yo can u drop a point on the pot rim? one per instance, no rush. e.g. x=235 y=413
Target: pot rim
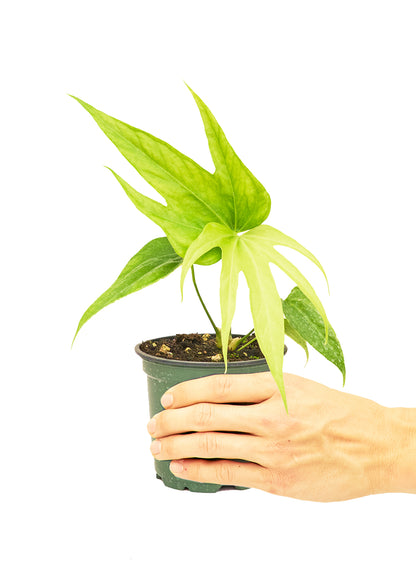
x=219 y=365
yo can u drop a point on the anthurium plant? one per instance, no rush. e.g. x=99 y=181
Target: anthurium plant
x=210 y=217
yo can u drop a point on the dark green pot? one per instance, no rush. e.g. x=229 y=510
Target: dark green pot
x=162 y=374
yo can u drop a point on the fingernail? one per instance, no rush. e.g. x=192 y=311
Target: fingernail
x=176 y=467
x=155 y=447
x=151 y=426
x=166 y=400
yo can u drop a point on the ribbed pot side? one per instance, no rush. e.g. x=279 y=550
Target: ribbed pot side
x=162 y=374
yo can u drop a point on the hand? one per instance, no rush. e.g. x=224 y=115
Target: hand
x=331 y=446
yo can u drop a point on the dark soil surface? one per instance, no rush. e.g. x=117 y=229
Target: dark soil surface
x=197 y=347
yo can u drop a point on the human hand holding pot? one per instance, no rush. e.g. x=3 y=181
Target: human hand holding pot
x=331 y=446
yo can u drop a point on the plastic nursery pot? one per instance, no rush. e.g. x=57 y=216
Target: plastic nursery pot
x=162 y=374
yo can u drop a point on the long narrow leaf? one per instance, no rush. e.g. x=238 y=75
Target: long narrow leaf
x=217 y=235
x=272 y=235
x=228 y=289
x=290 y=270
x=266 y=308
x=252 y=255
x=153 y=262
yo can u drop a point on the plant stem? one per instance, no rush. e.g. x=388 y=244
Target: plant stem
x=247 y=344
x=236 y=343
x=247 y=335
x=217 y=331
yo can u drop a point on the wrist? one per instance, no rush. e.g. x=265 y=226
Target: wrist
x=400 y=461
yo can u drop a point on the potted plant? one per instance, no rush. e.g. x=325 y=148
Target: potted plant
x=208 y=218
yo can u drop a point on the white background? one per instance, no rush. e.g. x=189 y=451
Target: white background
x=318 y=99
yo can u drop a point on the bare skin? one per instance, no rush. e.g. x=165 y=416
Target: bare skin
x=332 y=446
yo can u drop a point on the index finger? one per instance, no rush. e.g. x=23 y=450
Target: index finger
x=221 y=388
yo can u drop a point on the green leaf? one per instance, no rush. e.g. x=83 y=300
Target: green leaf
x=266 y=309
x=202 y=219
x=306 y=320
x=245 y=200
x=195 y=197
x=296 y=337
x=228 y=289
x=251 y=253
x=216 y=235
x=271 y=235
x=266 y=237
x=179 y=229
x=211 y=237
x=153 y=262
x=191 y=192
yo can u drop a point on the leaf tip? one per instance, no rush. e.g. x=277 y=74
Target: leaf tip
x=76 y=99
x=186 y=84
x=225 y=355
x=282 y=391
x=181 y=284
x=285 y=403
x=75 y=336
x=195 y=96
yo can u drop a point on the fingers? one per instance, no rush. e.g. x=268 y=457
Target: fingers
x=208 y=445
x=224 y=473
x=204 y=417
x=221 y=388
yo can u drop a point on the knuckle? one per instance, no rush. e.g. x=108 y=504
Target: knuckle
x=273 y=423
x=203 y=414
x=264 y=417
x=222 y=386
x=208 y=444
x=264 y=381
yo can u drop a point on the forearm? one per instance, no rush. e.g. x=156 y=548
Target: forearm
x=401 y=466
